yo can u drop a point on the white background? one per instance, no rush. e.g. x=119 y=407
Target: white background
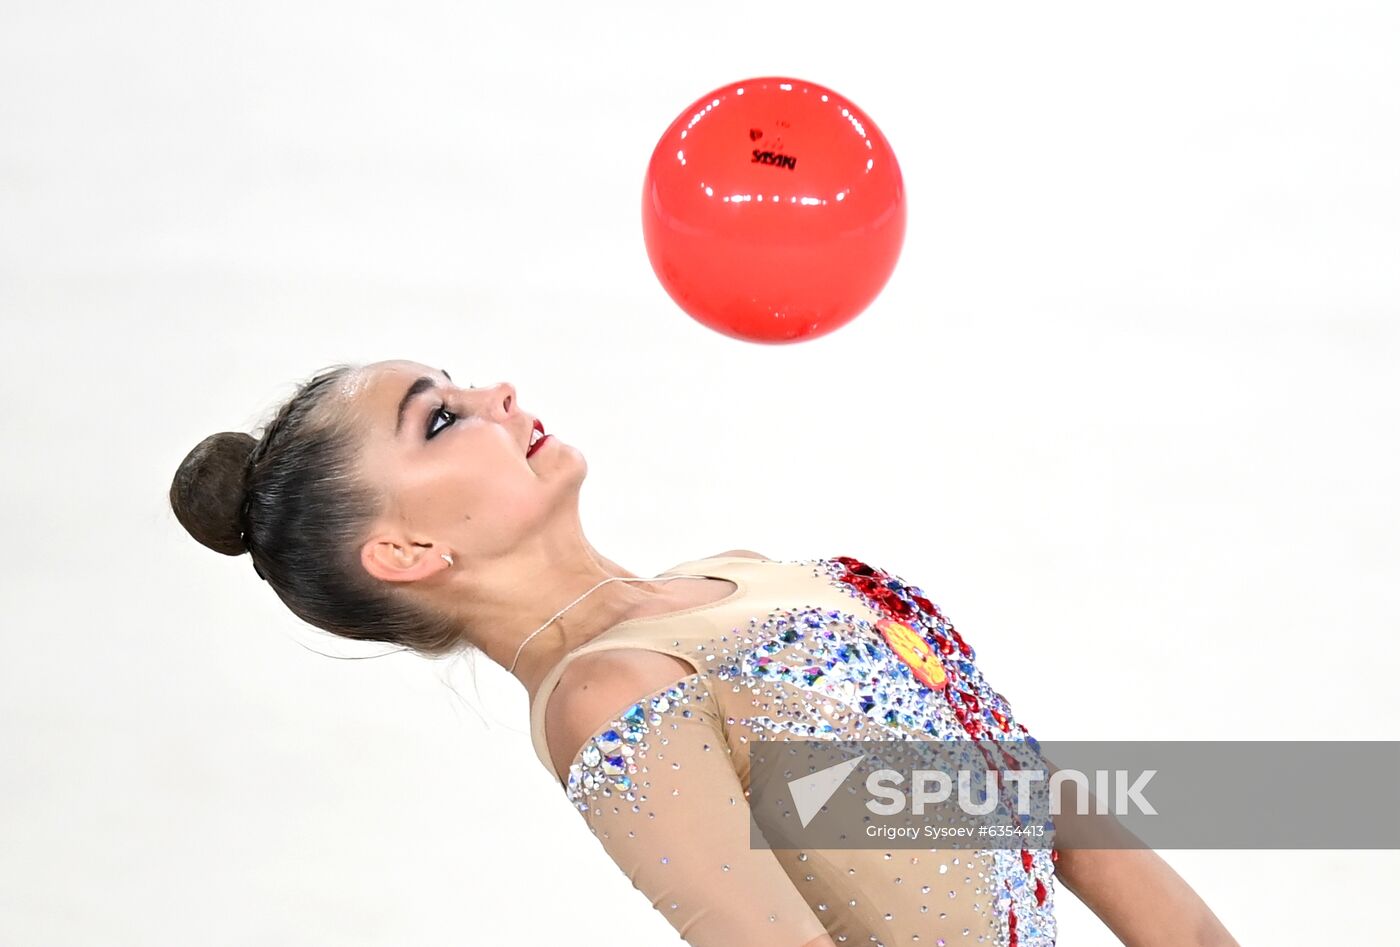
x=1126 y=410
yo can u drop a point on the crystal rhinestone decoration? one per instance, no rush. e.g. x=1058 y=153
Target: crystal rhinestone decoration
x=660 y=782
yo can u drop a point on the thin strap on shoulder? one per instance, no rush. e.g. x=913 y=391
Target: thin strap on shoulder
x=538 y=710
x=745 y=572
x=631 y=635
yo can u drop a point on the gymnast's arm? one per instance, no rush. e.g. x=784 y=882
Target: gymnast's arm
x=1131 y=889
x=679 y=827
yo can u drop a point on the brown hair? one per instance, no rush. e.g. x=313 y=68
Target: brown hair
x=293 y=499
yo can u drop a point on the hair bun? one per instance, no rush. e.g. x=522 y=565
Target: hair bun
x=209 y=489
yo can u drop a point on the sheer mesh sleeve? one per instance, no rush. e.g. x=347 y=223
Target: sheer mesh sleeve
x=658 y=788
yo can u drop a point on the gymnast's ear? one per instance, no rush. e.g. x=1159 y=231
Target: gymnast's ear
x=392 y=558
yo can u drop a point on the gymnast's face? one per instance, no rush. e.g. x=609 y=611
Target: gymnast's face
x=451 y=463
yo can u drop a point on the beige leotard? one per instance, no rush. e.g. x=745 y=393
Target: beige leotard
x=664 y=784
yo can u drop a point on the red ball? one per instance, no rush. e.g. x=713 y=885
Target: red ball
x=773 y=210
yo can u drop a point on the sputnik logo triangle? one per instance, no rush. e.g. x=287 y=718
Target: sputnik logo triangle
x=810 y=793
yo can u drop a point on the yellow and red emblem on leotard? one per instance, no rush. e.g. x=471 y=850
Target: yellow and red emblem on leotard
x=914 y=651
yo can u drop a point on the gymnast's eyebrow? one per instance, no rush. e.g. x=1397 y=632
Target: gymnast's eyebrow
x=419 y=386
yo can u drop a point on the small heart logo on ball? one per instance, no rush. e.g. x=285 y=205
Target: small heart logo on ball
x=755 y=134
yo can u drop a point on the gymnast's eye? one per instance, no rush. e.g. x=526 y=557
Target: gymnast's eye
x=439 y=412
